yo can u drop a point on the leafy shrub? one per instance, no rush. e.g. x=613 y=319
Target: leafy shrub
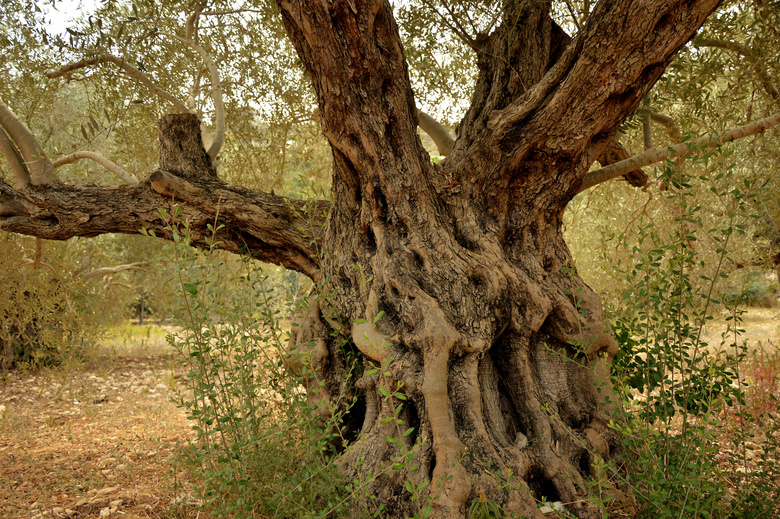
x=676 y=388
x=755 y=291
x=260 y=448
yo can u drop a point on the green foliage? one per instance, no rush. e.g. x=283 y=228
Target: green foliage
x=259 y=444
x=676 y=387
x=42 y=311
x=753 y=290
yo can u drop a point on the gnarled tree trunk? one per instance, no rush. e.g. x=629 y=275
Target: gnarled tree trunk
x=455 y=279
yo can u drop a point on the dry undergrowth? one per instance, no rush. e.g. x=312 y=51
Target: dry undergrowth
x=97 y=440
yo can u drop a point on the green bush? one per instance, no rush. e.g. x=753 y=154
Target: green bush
x=677 y=389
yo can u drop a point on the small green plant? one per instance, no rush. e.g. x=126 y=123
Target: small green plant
x=261 y=447
x=676 y=388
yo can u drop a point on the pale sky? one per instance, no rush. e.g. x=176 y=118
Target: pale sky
x=61 y=17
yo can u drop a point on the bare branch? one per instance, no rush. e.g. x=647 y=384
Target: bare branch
x=128 y=68
x=616 y=152
x=573 y=15
x=658 y=154
x=268 y=227
x=665 y=120
x=647 y=130
x=456 y=29
x=216 y=94
x=121 y=174
x=38 y=253
x=440 y=135
x=191 y=32
x=36 y=161
x=105 y=271
x=15 y=161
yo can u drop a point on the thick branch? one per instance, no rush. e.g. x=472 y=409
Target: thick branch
x=121 y=174
x=128 y=68
x=354 y=56
x=440 y=135
x=37 y=163
x=601 y=78
x=15 y=161
x=267 y=227
x=658 y=154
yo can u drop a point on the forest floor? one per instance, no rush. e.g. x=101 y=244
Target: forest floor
x=99 y=439
x=103 y=438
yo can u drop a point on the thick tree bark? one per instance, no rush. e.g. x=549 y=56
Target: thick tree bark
x=481 y=319
x=268 y=227
x=455 y=278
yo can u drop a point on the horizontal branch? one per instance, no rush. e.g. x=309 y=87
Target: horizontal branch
x=658 y=154
x=264 y=226
x=120 y=173
x=127 y=67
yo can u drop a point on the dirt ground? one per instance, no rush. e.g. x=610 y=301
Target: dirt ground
x=95 y=440
x=101 y=439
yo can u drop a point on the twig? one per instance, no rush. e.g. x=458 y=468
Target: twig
x=123 y=175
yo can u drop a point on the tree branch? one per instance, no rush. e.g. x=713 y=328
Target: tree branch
x=121 y=174
x=15 y=161
x=440 y=135
x=128 y=68
x=105 y=271
x=666 y=121
x=266 y=227
x=760 y=71
x=614 y=153
x=601 y=78
x=38 y=164
x=573 y=15
x=658 y=154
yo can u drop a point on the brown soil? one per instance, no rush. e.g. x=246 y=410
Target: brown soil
x=93 y=441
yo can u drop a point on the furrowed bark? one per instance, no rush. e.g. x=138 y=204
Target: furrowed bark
x=462 y=267
x=453 y=279
x=268 y=227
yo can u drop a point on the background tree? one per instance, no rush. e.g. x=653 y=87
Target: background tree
x=454 y=279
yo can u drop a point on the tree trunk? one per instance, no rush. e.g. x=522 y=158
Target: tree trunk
x=501 y=356
x=454 y=280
